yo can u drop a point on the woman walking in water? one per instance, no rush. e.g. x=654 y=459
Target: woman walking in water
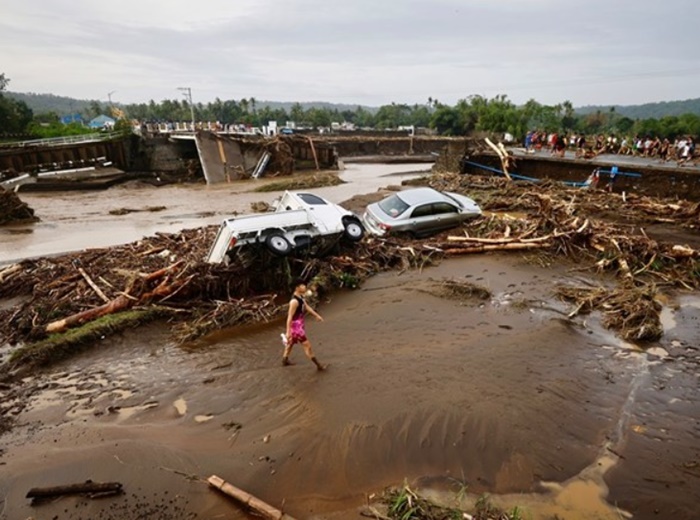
x=295 y=326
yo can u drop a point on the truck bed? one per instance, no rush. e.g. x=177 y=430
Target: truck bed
x=252 y=224
x=248 y=223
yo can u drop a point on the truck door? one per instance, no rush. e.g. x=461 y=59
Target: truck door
x=325 y=216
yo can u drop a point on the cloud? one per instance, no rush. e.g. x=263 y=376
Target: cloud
x=362 y=51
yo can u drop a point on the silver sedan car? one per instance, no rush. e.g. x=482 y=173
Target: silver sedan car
x=419 y=212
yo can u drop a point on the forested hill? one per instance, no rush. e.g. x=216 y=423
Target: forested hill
x=648 y=110
x=61 y=105
x=43 y=103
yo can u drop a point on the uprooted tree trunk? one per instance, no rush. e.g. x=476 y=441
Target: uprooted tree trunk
x=125 y=300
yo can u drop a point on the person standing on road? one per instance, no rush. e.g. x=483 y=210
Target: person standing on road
x=296 y=332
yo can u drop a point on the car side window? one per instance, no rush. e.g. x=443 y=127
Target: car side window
x=422 y=211
x=440 y=208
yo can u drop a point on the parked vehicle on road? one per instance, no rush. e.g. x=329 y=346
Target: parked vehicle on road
x=419 y=212
x=299 y=220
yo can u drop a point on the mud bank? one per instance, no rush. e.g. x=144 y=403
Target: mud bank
x=504 y=396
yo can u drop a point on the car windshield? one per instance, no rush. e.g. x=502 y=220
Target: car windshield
x=454 y=199
x=393 y=206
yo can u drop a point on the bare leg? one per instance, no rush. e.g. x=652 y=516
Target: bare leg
x=286 y=353
x=310 y=354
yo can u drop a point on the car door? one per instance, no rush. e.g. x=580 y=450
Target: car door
x=421 y=218
x=445 y=215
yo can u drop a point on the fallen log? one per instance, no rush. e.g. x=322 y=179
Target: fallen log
x=498 y=241
x=120 y=303
x=162 y=272
x=502 y=247
x=75 y=489
x=248 y=500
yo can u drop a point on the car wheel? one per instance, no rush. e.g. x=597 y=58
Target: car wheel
x=353 y=230
x=277 y=244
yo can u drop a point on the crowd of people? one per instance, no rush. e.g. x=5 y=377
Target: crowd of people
x=681 y=150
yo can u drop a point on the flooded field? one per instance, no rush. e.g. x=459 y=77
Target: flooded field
x=504 y=396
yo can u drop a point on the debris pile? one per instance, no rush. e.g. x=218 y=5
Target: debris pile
x=166 y=275
x=598 y=230
x=12 y=209
x=62 y=298
x=499 y=194
x=460 y=290
x=406 y=503
x=632 y=310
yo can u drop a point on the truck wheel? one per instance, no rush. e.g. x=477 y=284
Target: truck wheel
x=279 y=245
x=353 y=230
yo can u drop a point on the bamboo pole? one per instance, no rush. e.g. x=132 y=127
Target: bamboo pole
x=94 y=286
x=502 y=247
x=248 y=500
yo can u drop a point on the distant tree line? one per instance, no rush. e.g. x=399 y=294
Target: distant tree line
x=15 y=116
x=468 y=116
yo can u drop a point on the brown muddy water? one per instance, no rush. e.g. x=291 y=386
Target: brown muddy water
x=72 y=221
x=504 y=396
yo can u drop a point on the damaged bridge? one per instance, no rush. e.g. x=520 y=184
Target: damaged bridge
x=225 y=158
x=43 y=161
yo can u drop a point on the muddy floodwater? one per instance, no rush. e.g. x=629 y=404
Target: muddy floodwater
x=71 y=221
x=504 y=396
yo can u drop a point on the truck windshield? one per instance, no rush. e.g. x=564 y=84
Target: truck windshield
x=311 y=199
x=393 y=206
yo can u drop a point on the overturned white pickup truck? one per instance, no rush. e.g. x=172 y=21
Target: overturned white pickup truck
x=299 y=220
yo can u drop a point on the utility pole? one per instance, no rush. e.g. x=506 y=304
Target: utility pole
x=109 y=96
x=187 y=92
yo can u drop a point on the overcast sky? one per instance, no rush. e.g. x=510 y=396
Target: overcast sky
x=369 y=52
